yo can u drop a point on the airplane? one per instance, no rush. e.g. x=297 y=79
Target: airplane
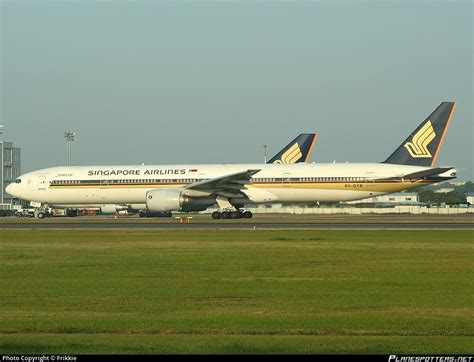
x=166 y=188
x=298 y=150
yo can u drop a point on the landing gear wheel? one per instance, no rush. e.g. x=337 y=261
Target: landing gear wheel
x=247 y=215
x=216 y=215
x=235 y=215
x=41 y=215
x=225 y=215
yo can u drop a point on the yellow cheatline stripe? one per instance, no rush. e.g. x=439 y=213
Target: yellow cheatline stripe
x=375 y=186
x=115 y=186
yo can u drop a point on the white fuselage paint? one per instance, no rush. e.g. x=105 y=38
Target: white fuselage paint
x=77 y=184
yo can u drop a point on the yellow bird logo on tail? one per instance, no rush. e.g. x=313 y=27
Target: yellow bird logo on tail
x=418 y=147
x=292 y=155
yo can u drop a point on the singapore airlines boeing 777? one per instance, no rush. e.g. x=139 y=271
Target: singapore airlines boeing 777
x=196 y=187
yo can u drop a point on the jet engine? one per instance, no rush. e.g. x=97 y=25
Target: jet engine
x=175 y=200
x=165 y=200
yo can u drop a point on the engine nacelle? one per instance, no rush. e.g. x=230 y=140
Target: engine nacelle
x=165 y=200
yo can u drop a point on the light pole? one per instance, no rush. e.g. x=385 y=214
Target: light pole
x=69 y=136
x=265 y=152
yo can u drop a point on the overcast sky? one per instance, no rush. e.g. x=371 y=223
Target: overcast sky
x=212 y=81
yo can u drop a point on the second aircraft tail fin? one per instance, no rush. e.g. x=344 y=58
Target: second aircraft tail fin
x=297 y=150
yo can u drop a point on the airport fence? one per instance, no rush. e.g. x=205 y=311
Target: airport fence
x=404 y=209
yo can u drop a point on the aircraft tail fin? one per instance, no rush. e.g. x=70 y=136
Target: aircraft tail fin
x=297 y=150
x=422 y=146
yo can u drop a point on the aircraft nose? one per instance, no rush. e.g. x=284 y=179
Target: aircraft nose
x=10 y=189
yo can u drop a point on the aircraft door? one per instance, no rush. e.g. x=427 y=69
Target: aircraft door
x=104 y=183
x=42 y=182
x=370 y=177
x=103 y=195
x=286 y=179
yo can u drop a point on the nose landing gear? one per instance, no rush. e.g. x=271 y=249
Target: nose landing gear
x=42 y=212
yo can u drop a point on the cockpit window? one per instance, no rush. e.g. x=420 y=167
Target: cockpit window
x=18 y=180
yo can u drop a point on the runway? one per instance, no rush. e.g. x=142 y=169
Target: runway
x=261 y=222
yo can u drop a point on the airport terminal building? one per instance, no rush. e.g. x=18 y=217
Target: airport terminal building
x=10 y=169
x=396 y=198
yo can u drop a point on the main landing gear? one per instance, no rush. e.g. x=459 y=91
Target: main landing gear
x=229 y=211
x=232 y=215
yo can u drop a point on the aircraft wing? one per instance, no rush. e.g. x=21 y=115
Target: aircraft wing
x=232 y=182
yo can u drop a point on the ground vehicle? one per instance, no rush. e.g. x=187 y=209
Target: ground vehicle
x=64 y=212
x=148 y=213
x=4 y=213
x=25 y=213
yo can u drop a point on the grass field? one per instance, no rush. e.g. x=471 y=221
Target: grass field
x=237 y=292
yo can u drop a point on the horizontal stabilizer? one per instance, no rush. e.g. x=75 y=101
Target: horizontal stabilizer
x=425 y=173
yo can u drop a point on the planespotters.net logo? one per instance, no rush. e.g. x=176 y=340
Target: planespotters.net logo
x=394 y=358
